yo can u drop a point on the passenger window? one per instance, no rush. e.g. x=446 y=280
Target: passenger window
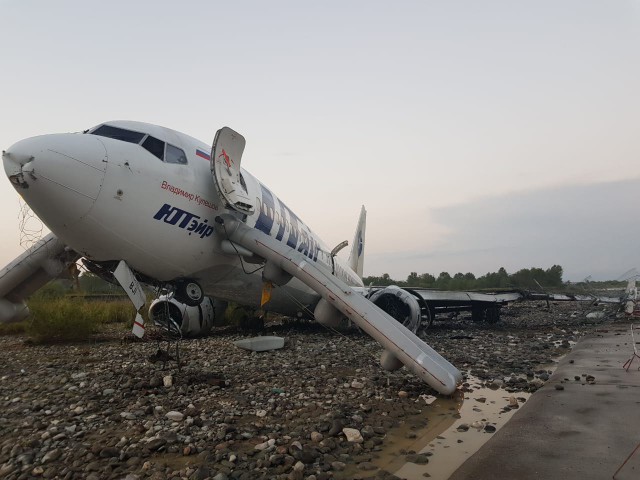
x=175 y=155
x=118 y=134
x=154 y=146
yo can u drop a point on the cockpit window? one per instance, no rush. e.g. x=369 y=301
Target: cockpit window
x=155 y=146
x=175 y=155
x=164 y=151
x=118 y=133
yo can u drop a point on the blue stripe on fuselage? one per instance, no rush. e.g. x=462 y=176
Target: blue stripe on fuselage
x=299 y=231
x=292 y=241
x=265 y=221
x=283 y=215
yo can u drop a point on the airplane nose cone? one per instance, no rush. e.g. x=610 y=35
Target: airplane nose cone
x=59 y=176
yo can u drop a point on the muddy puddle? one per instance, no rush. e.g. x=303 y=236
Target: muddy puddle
x=448 y=431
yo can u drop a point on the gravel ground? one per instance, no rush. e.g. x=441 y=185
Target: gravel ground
x=316 y=409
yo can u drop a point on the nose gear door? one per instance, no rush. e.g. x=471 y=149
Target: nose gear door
x=226 y=155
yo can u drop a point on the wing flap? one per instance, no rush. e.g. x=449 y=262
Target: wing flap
x=419 y=357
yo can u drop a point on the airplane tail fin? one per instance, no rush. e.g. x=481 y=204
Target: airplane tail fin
x=356 y=257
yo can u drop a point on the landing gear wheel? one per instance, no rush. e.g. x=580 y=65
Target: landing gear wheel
x=190 y=293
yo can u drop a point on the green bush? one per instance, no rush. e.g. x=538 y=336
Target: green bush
x=64 y=319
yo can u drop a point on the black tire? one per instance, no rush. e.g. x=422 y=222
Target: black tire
x=190 y=293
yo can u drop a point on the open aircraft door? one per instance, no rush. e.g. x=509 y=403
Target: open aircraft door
x=226 y=155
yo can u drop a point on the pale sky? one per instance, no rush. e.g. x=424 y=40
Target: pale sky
x=477 y=134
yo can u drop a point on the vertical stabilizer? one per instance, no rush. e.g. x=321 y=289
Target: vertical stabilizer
x=356 y=257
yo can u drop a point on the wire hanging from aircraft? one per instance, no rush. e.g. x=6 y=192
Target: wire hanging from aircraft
x=29 y=225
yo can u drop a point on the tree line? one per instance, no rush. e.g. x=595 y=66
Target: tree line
x=526 y=278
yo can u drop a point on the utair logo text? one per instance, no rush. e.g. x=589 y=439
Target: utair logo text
x=185 y=220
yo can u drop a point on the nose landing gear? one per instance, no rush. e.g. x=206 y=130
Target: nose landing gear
x=189 y=292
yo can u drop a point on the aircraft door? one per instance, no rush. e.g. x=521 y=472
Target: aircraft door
x=226 y=155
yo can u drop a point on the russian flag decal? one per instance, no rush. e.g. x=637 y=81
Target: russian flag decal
x=202 y=154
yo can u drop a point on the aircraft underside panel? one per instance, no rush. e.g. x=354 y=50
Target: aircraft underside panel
x=416 y=355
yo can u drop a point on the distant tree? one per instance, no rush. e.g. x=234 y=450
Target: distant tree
x=443 y=280
x=384 y=280
x=458 y=282
x=499 y=279
x=554 y=276
x=413 y=280
x=503 y=278
x=524 y=278
x=427 y=280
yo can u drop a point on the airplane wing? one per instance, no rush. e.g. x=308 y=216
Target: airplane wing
x=486 y=306
x=397 y=340
x=570 y=297
x=45 y=260
x=443 y=295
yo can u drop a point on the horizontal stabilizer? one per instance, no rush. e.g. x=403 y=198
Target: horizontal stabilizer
x=416 y=355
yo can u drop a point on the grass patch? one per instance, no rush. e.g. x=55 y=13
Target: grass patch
x=13 y=328
x=67 y=319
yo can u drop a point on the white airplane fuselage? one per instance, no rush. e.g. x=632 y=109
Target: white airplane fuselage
x=110 y=199
x=140 y=201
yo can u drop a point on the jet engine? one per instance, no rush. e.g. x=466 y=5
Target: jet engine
x=180 y=319
x=12 y=312
x=405 y=308
x=327 y=315
x=400 y=304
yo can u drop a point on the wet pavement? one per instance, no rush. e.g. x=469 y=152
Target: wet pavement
x=584 y=423
x=456 y=428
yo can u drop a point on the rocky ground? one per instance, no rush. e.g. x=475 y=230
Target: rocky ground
x=319 y=408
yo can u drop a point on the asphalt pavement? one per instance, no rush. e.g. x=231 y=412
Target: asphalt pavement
x=584 y=423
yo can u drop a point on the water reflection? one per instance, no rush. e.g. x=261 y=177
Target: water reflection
x=447 y=432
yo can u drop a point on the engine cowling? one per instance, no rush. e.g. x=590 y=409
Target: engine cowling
x=327 y=315
x=400 y=304
x=176 y=317
x=12 y=312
